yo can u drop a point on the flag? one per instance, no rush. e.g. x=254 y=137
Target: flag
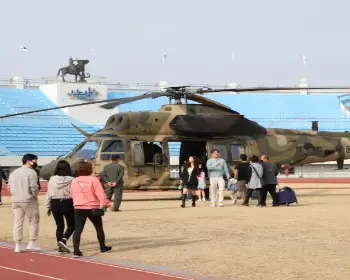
x=304 y=59
x=164 y=57
x=93 y=52
x=23 y=48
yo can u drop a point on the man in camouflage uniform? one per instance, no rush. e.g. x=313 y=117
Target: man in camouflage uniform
x=112 y=179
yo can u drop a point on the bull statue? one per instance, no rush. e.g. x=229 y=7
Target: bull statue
x=75 y=69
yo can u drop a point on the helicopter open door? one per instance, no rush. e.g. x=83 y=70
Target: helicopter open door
x=150 y=155
x=193 y=148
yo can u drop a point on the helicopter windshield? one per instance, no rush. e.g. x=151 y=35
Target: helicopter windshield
x=88 y=150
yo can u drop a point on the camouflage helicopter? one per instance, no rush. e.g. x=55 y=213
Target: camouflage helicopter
x=199 y=128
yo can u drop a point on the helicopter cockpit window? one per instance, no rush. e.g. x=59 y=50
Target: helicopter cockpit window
x=88 y=150
x=236 y=151
x=222 y=150
x=110 y=147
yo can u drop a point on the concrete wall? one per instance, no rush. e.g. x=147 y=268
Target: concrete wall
x=79 y=93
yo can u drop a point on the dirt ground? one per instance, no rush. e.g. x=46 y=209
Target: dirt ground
x=306 y=241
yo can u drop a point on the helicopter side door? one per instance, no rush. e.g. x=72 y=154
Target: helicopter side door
x=151 y=158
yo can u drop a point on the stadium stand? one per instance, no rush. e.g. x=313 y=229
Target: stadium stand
x=45 y=134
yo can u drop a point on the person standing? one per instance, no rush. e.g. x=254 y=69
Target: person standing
x=217 y=168
x=59 y=202
x=270 y=180
x=189 y=180
x=241 y=173
x=88 y=196
x=112 y=177
x=3 y=177
x=23 y=185
x=254 y=183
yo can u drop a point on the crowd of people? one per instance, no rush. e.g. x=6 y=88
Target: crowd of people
x=248 y=176
x=74 y=200
x=68 y=198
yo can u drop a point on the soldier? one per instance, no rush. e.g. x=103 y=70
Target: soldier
x=2 y=177
x=112 y=177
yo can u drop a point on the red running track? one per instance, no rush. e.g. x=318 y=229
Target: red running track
x=36 y=266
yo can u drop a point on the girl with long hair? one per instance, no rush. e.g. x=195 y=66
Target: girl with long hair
x=189 y=180
x=59 y=202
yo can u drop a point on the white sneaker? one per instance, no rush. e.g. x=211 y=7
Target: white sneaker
x=212 y=205
x=221 y=205
x=234 y=201
x=203 y=199
x=18 y=248
x=33 y=247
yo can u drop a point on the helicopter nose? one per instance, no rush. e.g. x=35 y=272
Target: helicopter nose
x=47 y=170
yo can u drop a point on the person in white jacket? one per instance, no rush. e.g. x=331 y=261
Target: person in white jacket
x=255 y=180
x=59 y=202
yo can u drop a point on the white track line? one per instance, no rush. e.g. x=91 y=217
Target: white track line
x=30 y=273
x=110 y=265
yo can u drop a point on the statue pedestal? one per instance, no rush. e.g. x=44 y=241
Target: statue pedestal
x=79 y=93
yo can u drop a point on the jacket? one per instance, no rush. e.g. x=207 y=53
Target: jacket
x=190 y=179
x=58 y=187
x=87 y=193
x=217 y=171
x=270 y=173
x=254 y=182
x=114 y=173
x=23 y=185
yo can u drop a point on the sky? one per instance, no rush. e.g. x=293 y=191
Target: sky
x=129 y=38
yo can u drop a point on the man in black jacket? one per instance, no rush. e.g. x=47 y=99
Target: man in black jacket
x=270 y=180
x=3 y=177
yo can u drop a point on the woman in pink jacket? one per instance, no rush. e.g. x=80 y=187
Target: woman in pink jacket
x=88 y=199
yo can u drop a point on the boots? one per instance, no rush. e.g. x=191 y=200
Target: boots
x=194 y=200
x=184 y=196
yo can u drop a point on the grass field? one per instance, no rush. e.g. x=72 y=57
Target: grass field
x=306 y=241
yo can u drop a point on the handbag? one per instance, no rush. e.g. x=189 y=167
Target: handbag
x=95 y=211
x=261 y=179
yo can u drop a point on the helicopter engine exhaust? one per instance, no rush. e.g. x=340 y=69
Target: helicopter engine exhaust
x=118 y=122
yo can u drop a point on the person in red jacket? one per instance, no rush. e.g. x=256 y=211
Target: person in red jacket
x=88 y=195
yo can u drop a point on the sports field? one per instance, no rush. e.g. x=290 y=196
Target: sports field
x=306 y=241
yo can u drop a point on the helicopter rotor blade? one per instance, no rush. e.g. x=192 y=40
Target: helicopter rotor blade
x=117 y=101
x=207 y=101
x=252 y=89
x=112 y=105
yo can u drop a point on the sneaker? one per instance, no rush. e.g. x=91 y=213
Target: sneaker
x=33 y=247
x=212 y=205
x=203 y=199
x=0 y=203
x=78 y=255
x=63 y=245
x=234 y=201
x=106 y=249
x=18 y=248
x=221 y=205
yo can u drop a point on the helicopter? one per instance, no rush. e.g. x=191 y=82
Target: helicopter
x=199 y=128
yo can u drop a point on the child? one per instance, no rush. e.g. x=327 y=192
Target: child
x=201 y=183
